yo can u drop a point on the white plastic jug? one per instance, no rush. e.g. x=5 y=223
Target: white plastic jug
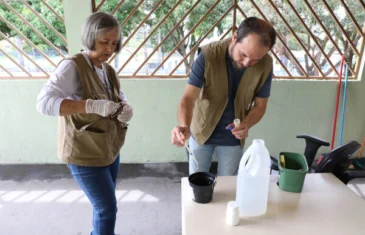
x=253 y=180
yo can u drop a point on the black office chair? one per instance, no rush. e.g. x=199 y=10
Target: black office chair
x=338 y=160
x=312 y=144
x=357 y=171
x=351 y=174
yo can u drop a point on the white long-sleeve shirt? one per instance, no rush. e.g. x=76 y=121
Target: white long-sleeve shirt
x=65 y=83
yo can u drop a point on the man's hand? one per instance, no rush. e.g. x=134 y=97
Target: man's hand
x=102 y=107
x=240 y=132
x=179 y=135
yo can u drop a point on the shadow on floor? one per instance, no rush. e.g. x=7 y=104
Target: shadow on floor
x=128 y=171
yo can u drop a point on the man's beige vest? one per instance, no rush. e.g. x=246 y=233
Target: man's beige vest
x=213 y=97
x=90 y=139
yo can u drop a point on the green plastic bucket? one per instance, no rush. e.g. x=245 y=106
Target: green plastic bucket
x=291 y=178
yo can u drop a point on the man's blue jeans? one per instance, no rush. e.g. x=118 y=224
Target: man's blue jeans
x=98 y=183
x=228 y=157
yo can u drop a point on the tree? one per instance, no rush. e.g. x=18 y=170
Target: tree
x=319 y=34
x=173 y=38
x=182 y=29
x=248 y=8
x=122 y=13
x=25 y=10
x=179 y=33
x=35 y=22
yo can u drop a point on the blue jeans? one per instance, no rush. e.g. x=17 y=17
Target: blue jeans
x=98 y=183
x=228 y=157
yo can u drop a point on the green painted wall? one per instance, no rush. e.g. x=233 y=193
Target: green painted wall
x=294 y=107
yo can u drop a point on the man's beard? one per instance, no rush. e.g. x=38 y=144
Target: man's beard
x=235 y=63
x=238 y=65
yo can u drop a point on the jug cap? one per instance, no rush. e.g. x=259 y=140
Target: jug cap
x=258 y=141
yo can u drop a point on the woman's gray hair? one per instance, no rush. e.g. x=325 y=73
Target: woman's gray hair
x=97 y=24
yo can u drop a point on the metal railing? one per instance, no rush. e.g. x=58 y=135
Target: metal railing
x=161 y=38
x=312 y=35
x=26 y=32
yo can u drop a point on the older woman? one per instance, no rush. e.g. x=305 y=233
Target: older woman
x=85 y=92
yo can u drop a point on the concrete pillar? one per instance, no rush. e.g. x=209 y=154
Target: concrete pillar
x=76 y=13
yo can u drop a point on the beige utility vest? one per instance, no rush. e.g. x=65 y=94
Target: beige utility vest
x=213 y=97
x=90 y=139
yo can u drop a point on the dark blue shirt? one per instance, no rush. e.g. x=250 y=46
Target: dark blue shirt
x=220 y=135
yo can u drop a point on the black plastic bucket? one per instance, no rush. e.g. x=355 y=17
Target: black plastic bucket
x=203 y=186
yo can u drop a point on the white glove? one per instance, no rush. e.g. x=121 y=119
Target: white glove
x=126 y=113
x=102 y=107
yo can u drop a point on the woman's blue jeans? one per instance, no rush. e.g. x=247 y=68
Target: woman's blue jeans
x=98 y=183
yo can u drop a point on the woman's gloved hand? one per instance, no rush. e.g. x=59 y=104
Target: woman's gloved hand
x=102 y=107
x=126 y=113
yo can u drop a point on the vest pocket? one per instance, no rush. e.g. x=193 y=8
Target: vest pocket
x=91 y=141
x=249 y=98
x=90 y=145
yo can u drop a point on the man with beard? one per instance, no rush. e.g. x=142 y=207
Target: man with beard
x=229 y=79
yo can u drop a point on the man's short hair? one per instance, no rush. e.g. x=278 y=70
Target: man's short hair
x=260 y=27
x=97 y=24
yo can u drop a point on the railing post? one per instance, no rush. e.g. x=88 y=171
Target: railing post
x=234 y=24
